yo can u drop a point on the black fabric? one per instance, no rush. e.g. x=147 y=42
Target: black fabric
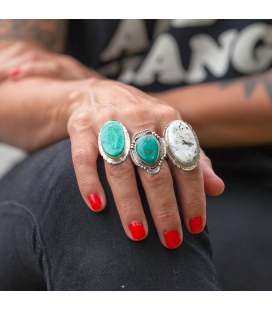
x=87 y=39
x=240 y=219
x=239 y=224
x=50 y=239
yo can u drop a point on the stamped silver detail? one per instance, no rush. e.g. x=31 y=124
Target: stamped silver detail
x=150 y=168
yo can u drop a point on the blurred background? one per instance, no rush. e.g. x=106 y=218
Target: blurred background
x=9 y=156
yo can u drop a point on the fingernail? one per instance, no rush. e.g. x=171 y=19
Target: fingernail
x=172 y=239
x=137 y=230
x=196 y=224
x=95 y=202
x=14 y=72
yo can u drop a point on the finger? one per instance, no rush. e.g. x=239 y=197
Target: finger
x=123 y=184
x=163 y=205
x=13 y=56
x=213 y=185
x=12 y=67
x=37 y=68
x=84 y=155
x=190 y=187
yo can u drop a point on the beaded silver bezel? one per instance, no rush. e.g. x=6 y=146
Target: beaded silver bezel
x=192 y=165
x=118 y=159
x=155 y=167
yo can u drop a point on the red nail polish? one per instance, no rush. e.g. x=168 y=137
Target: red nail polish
x=137 y=230
x=95 y=202
x=14 y=72
x=196 y=224
x=172 y=239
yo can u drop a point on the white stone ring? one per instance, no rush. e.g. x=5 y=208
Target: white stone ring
x=113 y=142
x=148 y=150
x=182 y=145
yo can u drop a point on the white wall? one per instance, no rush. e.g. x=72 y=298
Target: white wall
x=8 y=157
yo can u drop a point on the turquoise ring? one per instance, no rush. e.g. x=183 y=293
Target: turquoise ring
x=113 y=142
x=148 y=150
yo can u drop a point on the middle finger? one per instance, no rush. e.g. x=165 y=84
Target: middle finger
x=148 y=151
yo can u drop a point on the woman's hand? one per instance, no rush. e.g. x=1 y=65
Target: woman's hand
x=24 y=59
x=99 y=101
x=91 y=103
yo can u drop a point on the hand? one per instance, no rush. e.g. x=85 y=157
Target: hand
x=23 y=59
x=103 y=100
x=96 y=101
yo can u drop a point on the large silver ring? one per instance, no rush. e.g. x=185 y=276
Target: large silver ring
x=113 y=142
x=147 y=150
x=182 y=145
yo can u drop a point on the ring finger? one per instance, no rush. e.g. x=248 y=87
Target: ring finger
x=183 y=151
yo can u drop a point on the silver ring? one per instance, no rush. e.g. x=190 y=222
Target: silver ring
x=113 y=142
x=147 y=150
x=182 y=145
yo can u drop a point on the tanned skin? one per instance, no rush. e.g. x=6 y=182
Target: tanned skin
x=49 y=33
x=250 y=83
x=235 y=112
x=55 y=97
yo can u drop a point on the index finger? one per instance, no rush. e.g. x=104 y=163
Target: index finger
x=84 y=154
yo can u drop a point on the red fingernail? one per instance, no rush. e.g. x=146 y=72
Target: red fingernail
x=196 y=224
x=172 y=239
x=14 y=72
x=137 y=230
x=95 y=202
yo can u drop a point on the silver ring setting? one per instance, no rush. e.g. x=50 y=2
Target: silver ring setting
x=113 y=142
x=148 y=150
x=182 y=145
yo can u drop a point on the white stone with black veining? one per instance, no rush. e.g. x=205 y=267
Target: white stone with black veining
x=182 y=142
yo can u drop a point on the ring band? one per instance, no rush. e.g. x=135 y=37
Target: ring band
x=113 y=142
x=182 y=145
x=147 y=150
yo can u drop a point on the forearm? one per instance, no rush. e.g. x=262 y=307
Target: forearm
x=228 y=113
x=34 y=112
x=47 y=33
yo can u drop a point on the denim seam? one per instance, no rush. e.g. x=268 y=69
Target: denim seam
x=39 y=234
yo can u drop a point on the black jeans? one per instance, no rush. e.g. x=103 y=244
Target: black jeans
x=240 y=219
x=50 y=239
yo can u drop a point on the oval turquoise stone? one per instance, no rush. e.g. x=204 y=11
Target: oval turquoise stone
x=112 y=138
x=147 y=148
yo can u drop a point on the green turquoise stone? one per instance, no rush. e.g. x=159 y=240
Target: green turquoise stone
x=112 y=138
x=147 y=148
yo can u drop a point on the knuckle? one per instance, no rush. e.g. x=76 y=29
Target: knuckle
x=108 y=115
x=86 y=184
x=159 y=180
x=143 y=117
x=56 y=68
x=197 y=205
x=81 y=158
x=128 y=208
x=119 y=172
x=81 y=123
x=169 y=113
x=167 y=215
x=192 y=176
